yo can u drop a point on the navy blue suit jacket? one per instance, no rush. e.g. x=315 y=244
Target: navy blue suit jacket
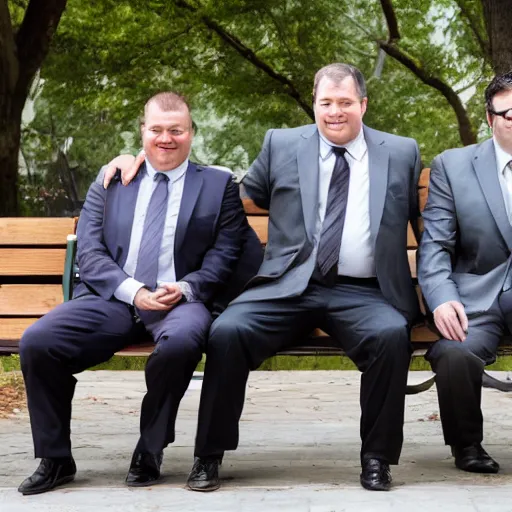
x=211 y=232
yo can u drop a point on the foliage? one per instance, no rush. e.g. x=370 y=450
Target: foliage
x=247 y=66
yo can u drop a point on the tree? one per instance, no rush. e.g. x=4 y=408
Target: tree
x=248 y=65
x=22 y=51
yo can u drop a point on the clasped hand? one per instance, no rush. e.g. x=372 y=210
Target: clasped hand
x=164 y=298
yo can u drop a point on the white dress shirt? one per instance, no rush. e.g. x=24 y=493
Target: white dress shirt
x=127 y=290
x=356 y=257
x=504 y=175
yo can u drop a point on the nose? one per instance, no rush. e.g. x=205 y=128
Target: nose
x=335 y=109
x=165 y=136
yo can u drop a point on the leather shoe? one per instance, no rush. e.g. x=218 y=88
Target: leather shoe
x=49 y=474
x=204 y=475
x=475 y=459
x=144 y=469
x=376 y=475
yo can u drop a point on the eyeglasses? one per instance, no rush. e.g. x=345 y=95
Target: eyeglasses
x=506 y=114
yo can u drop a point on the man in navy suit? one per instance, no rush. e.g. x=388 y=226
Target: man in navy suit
x=152 y=257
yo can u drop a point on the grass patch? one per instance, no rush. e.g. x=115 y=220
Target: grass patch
x=12 y=363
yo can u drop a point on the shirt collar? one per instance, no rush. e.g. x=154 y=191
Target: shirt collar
x=356 y=148
x=173 y=174
x=502 y=157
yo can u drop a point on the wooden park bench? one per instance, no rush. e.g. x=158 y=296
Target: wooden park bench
x=36 y=274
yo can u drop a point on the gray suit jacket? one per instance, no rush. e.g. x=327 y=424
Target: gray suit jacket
x=284 y=180
x=465 y=249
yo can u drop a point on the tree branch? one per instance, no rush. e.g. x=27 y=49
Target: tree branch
x=391 y=20
x=34 y=37
x=467 y=134
x=482 y=41
x=249 y=55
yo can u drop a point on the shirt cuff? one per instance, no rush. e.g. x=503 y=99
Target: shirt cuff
x=127 y=290
x=186 y=291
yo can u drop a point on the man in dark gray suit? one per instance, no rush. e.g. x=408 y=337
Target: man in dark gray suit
x=339 y=196
x=464 y=272
x=153 y=257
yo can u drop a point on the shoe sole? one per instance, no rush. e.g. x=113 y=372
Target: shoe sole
x=143 y=484
x=482 y=471
x=60 y=481
x=206 y=489
x=383 y=487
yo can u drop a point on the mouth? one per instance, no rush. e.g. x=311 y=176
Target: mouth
x=335 y=125
x=166 y=149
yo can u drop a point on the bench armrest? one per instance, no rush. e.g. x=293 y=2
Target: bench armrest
x=69 y=268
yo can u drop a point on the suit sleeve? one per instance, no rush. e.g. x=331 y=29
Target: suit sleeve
x=414 y=210
x=256 y=182
x=437 y=247
x=98 y=270
x=220 y=260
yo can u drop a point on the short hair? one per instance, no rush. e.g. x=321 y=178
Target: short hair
x=338 y=72
x=168 y=101
x=498 y=84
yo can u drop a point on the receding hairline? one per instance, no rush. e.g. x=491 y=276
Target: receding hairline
x=337 y=73
x=168 y=101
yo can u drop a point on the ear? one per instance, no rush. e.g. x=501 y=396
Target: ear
x=489 y=119
x=142 y=127
x=364 y=105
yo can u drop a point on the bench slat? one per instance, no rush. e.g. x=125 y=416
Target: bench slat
x=35 y=230
x=13 y=328
x=260 y=226
x=29 y=299
x=32 y=262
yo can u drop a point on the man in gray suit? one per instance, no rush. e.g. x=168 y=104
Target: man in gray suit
x=463 y=270
x=339 y=196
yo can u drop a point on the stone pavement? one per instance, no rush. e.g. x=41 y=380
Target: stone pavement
x=299 y=451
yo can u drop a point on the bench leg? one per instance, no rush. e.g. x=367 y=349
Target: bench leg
x=491 y=382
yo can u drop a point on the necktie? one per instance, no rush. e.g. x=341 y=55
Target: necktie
x=332 y=227
x=147 y=262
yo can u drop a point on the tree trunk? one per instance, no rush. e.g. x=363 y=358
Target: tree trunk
x=21 y=55
x=10 y=133
x=498 y=21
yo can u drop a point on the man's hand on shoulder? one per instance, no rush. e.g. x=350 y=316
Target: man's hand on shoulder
x=129 y=166
x=451 y=320
x=152 y=301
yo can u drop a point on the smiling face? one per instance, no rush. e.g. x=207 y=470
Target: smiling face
x=339 y=110
x=166 y=136
x=502 y=126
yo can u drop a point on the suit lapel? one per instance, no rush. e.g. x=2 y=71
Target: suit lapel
x=485 y=166
x=307 y=164
x=127 y=197
x=191 y=190
x=378 y=167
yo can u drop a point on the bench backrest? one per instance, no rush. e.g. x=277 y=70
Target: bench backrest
x=32 y=256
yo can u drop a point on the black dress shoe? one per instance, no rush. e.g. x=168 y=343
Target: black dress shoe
x=49 y=474
x=144 y=469
x=376 y=475
x=204 y=475
x=475 y=459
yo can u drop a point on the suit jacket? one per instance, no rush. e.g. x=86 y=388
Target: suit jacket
x=284 y=179
x=210 y=233
x=465 y=249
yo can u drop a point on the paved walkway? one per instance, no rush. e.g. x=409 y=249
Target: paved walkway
x=299 y=452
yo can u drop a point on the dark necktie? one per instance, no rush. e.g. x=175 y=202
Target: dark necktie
x=147 y=263
x=332 y=227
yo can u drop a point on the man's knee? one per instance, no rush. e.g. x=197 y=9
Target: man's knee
x=393 y=335
x=228 y=328
x=453 y=355
x=34 y=343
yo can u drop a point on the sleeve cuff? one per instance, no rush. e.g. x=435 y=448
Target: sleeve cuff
x=127 y=290
x=186 y=290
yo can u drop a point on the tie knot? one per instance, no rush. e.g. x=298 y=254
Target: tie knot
x=160 y=176
x=339 y=151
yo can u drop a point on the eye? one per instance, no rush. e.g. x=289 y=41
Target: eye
x=177 y=133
